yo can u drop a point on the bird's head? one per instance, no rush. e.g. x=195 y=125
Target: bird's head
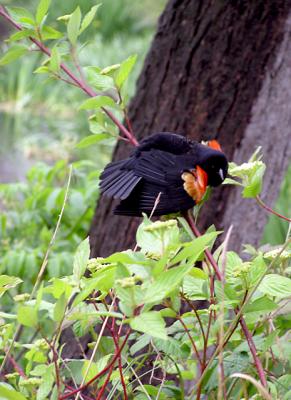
x=213 y=162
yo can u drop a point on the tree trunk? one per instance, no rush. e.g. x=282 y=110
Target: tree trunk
x=216 y=69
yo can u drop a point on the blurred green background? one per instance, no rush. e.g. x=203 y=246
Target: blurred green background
x=40 y=126
x=39 y=119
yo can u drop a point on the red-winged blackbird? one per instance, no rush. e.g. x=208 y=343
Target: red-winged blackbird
x=164 y=165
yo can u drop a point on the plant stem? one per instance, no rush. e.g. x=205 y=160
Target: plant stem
x=104 y=370
x=270 y=210
x=78 y=82
x=191 y=339
x=246 y=332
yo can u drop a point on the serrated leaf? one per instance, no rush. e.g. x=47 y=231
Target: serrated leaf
x=73 y=27
x=8 y=393
x=92 y=139
x=88 y=18
x=13 y=54
x=42 y=10
x=275 y=285
x=151 y=323
x=97 y=102
x=166 y=283
x=124 y=70
x=81 y=259
x=27 y=316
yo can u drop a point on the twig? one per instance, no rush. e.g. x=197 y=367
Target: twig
x=101 y=373
x=270 y=210
x=188 y=217
x=190 y=338
x=90 y=92
x=248 y=335
x=96 y=347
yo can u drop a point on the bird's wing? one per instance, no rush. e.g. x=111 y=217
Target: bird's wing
x=139 y=180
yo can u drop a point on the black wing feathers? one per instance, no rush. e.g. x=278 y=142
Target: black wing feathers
x=155 y=167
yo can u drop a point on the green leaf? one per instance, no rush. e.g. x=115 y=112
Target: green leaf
x=81 y=259
x=42 y=10
x=48 y=32
x=97 y=102
x=92 y=139
x=8 y=282
x=21 y=35
x=18 y=13
x=96 y=128
x=55 y=60
x=262 y=304
x=60 y=308
x=13 y=54
x=97 y=80
x=8 y=393
x=165 y=283
x=157 y=237
x=73 y=27
x=193 y=250
x=42 y=70
x=275 y=285
x=124 y=70
x=27 y=316
x=89 y=18
x=103 y=282
x=195 y=289
x=151 y=323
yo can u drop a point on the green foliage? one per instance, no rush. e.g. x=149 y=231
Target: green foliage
x=250 y=175
x=139 y=300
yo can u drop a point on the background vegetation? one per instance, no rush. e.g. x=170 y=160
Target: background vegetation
x=40 y=128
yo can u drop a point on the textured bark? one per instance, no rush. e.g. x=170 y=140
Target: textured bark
x=216 y=69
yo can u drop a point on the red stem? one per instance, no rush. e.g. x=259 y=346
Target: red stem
x=90 y=92
x=191 y=339
x=104 y=370
x=100 y=393
x=253 y=350
x=196 y=232
x=246 y=332
x=270 y=210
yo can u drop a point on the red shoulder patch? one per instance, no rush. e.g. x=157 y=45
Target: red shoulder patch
x=214 y=145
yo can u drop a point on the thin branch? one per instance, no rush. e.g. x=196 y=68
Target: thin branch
x=187 y=215
x=247 y=333
x=83 y=86
x=190 y=338
x=101 y=373
x=270 y=210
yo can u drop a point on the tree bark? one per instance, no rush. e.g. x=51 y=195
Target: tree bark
x=216 y=69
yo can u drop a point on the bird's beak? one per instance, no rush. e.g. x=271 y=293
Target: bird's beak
x=221 y=174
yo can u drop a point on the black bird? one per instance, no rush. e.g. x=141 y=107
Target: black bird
x=166 y=166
